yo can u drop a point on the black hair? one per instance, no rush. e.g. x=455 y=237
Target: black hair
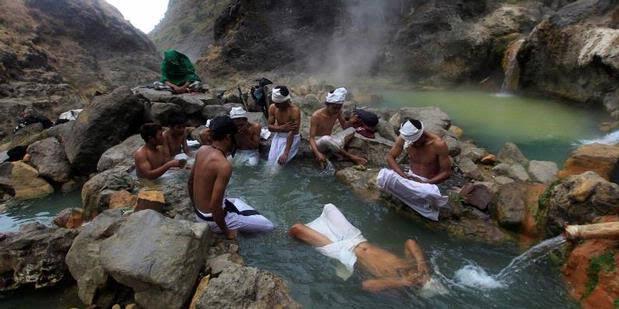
x=283 y=90
x=368 y=118
x=177 y=119
x=221 y=126
x=149 y=130
x=415 y=122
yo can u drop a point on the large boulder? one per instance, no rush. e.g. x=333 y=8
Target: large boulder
x=433 y=118
x=161 y=112
x=515 y=171
x=159 y=258
x=105 y=122
x=189 y=103
x=543 y=171
x=22 y=181
x=469 y=168
x=510 y=153
x=599 y=158
x=121 y=154
x=510 y=208
x=97 y=191
x=362 y=182
x=34 y=257
x=579 y=199
x=373 y=149
x=50 y=160
x=246 y=287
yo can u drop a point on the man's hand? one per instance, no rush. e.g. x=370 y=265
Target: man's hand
x=283 y=159
x=321 y=158
x=413 y=178
x=231 y=234
x=289 y=126
x=175 y=163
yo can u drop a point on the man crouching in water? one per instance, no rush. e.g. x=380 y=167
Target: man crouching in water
x=152 y=160
x=332 y=235
x=208 y=181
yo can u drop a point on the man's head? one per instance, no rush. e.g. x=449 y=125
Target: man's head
x=152 y=134
x=222 y=130
x=335 y=99
x=239 y=116
x=177 y=123
x=362 y=117
x=280 y=96
x=412 y=131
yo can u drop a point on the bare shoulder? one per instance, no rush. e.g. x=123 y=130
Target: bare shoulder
x=139 y=154
x=318 y=113
x=272 y=108
x=440 y=145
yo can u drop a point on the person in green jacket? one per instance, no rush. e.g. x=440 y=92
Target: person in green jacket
x=178 y=73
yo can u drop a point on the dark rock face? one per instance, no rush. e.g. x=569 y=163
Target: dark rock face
x=104 y=123
x=34 y=257
x=97 y=190
x=50 y=160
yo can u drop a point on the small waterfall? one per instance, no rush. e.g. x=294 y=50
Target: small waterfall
x=608 y=139
x=511 y=67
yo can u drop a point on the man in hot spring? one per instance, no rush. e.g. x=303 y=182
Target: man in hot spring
x=332 y=235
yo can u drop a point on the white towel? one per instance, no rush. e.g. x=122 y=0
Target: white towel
x=345 y=237
x=424 y=198
x=278 y=145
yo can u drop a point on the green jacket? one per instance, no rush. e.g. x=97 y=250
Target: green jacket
x=177 y=68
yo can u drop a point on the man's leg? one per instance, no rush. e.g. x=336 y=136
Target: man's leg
x=412 y=249
x=309 y=236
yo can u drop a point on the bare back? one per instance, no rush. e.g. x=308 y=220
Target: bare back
x=211 y=168
x=248 y=139
x=149 y=159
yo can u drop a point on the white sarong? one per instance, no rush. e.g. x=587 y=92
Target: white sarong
x=278 y=145
x=239 y=216
x=424 y=198
x=334 y=143
x=246 y=158
x=345 y=237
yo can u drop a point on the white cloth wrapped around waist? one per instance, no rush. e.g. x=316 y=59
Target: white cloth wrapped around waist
x=424 y=198
x=344 y=236
x=278 y=146
x=335 y=142
x=246 y=220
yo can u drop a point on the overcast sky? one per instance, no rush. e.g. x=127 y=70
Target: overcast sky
x=143 y=14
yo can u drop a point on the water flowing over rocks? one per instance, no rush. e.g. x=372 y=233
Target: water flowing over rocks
x=34 y=257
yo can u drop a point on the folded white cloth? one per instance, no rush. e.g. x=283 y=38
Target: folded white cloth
x=337 y=96
x=265 y=133
x=278 y=97
x=410 y=133
x=70 y=115
x=424 y=198
x=344 y=236
x=334 y=143
x=278 y=145
x=246 y=158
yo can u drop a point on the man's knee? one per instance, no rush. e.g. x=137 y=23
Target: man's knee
x=296 y=230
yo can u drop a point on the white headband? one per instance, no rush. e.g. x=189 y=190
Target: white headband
x=410 y=133
x=337 y=96
x=277 y=97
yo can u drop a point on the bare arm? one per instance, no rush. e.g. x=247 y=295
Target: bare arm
x=297 y=124
x=312 y=139
x=444 y=164
x=217 y=196
x=394 y=153
x=145 y=170
x=377 y=285
x=190 y=184
x=272 y=126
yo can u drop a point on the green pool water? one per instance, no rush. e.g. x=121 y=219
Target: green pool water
x=543 y=129
x=16 y=213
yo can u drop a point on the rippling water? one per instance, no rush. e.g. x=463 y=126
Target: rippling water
x=16 y=213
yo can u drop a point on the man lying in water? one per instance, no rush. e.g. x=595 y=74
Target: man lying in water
x=152 y=160
x=321 y=126
x=175 y=137
x=208 y=181
x=335 y=237
x=429 y=165
x=247 y=139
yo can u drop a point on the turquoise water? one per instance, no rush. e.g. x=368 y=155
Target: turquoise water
x=543 y=129
x=16 y=213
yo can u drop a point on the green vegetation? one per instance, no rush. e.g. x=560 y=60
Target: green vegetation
x=542 y=210
x=604 y=262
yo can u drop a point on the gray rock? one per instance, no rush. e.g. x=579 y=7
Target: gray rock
x=96 y=191
x=121 y=154
x=189 y=103
x=510 y=153
x=212 y=111
x=510 y=206
x=502 y=180
x=219 y=263
x=543 y=171
x=50 y=160
x=469 y=150
x=514 y=171
x=34 y=256
x=159 y=258
x=374 y=150
x=257 y=118
x=161 y=112
x=477 y=194
x=246 y=287
x=385 y=129
x=469 y=168
x=433 y=118
x=105 y=122
x=154 y=95
x=453 y=145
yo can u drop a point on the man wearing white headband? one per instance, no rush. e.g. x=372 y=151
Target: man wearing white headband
x=429 y=165
x=284 y=121
x=247 y=138
x=321 y=127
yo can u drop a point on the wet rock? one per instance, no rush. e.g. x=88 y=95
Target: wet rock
x=362 y=182
x=469 y=150
x=161 y=276
x=510 y=209
x=212 y=111
x=469 y=168
x=105 y=122
x=22 y=181
x=34 y=257
x=511 y=154
x=84 y=262
x=122 y=199
x=70 y=218
x=218 y=264
x=514 y=171
x=97 y=190
x=599 y=158
x=50 y=160
x=543 y=171
x=150 y=199
x=189 y=103
x=246 y=287
x=121 y=154
x=453 y=145
x=579 y=199
x=477 y=229
x=433 y=118
x=477 y=194
x=374 y=150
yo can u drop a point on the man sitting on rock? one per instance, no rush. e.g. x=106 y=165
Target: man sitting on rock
x=321 y=127
x=247 y=138
x=208 y=181
x=152 y=160
x=178 y=74
x=175 y=137
x=429 y=165
x=333 y=236
x=284 y=121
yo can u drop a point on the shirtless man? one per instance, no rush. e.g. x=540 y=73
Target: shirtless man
x=152 y=160
x=284 y=121
x=335 y=237
x=429 y=165
x=321 y=127
x=175 y=137
x=247 y=139
x=208 y=181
